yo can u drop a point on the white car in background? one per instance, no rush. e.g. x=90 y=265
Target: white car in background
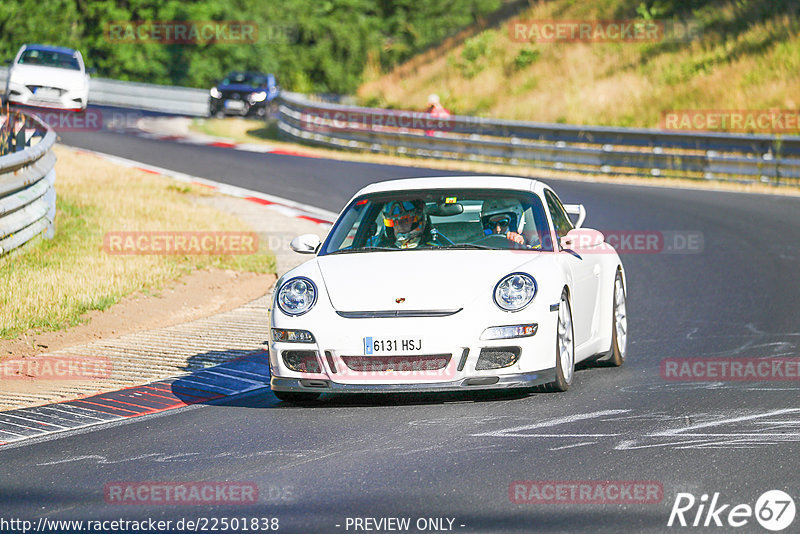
x=447 y=284
x=48 y=77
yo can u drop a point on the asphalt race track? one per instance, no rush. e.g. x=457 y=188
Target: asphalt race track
x=455 y=456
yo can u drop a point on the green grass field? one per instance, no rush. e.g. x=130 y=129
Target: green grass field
x=50 y=284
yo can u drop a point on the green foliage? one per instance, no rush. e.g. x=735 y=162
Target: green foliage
x=310 y=45
x=474 y=54
x=525 y=58
x=652 y=12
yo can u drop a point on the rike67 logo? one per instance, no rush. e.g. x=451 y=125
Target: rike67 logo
x=774 y=510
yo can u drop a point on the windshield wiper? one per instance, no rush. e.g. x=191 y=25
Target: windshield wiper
x=362 y=249
x=469 y=246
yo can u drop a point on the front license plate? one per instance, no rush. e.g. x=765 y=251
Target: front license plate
x=45 y=93
x=234 y=104
x=392 y=345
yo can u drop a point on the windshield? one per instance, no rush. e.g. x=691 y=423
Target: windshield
x=244 y=78
x=441 y=219
x=49 y=58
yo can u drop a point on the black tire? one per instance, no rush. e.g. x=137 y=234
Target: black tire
x=561 y=383
x=615 y=356
x=295 y=397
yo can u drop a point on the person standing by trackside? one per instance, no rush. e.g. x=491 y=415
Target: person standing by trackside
x=437 y=110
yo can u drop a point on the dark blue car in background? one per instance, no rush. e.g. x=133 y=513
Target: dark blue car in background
x=244 y=94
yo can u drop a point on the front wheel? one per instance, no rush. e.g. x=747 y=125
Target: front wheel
x=565 y=348
x=295 y=397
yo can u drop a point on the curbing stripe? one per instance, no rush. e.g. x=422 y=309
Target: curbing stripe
x=160 y=396
x=220 y=142
x=284 y=205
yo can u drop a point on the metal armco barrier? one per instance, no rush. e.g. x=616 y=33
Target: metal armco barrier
x=27 y=178
x=147 y=96
x=568 y=148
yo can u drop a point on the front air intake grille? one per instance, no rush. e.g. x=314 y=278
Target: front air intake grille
x=302 y=361
x=383 y=314
x=382 y=364
x=34 y=88
x=331 y=363
x=497 y=358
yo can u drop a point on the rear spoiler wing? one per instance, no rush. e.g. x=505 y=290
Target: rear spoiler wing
x=576 y=209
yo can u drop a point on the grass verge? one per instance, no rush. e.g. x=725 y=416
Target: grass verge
x=745 y=55
x=49 y=284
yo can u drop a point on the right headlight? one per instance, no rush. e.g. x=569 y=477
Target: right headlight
x=514 y=292
x=214 y=92
x=297 y=295
x=259 y=96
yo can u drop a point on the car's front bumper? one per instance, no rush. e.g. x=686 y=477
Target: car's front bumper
x=453 y=358
x=240 y=108
x=520 y=380
x=68 y=100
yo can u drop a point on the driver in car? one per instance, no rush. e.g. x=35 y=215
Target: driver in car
x=503 y=217
x=406 y=225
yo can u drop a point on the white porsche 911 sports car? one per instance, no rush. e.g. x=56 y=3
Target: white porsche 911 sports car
x=447 y=284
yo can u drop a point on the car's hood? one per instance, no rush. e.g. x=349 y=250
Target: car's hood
x=48 y=76
x=427 y=280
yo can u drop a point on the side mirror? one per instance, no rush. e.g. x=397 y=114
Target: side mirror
x=91 y=70
x=7 y=61
x=305 y=244
x=581 y=239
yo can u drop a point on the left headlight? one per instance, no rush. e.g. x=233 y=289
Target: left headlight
x=214 y=92
x=297 y=295
x=515 y=291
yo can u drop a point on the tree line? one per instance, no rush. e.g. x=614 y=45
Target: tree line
x=310 y=45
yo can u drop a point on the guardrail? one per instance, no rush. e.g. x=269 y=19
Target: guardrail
x=27 y=178
x=557 y=147
x=148 y=96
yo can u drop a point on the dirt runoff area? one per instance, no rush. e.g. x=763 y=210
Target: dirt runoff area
x=193 y=296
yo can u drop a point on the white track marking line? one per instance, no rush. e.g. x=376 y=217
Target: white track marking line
x=513 y=431
x=582 y=444
x=678 y=431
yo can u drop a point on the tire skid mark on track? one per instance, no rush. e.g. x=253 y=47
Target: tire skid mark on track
x=631 y=430
x=201 y=386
